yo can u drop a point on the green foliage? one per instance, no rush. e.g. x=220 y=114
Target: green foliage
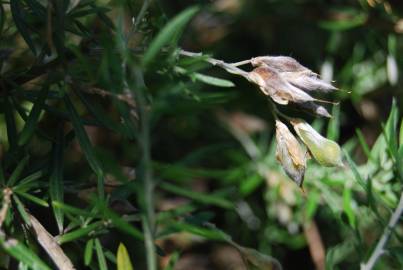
x=128 y=149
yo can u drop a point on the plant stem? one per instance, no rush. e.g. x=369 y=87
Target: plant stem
x=219 y=63
x=147 y=196
x=379 y=249
x=148 y=186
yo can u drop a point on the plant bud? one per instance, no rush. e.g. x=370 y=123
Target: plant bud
x=325 y=151
x=290 y=154
x=272 y=84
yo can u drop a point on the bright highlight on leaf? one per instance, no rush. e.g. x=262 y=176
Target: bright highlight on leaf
x=123 y=258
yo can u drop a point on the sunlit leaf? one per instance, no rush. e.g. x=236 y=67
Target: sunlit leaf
x=123 y=258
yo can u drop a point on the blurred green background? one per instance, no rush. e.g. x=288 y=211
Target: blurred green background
x=118 y=142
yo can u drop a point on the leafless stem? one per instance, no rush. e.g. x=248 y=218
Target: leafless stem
x=315 y=244
x=50 y=245
x=231 y=68
x=241 y=63
x=126 y=98
x=380 y=247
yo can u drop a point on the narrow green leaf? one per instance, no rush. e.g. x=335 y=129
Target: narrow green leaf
x=171 y=29
x=207 y=233
x=88 y=11
x=22 y=253
x=347 y=205
x=123 y=258
x=18 y=17
x=212 y=80
x=401 y=134
x=21 y=210
x=85 y=144
x=33 y=117
x=56 y=178
x=99 y=114
x=33 y=199
x=88 y=252
x=312 y=204
x=355 y=19
x=400 y=161
x=73 y=235
x=17 y=171
x=32 y=177
x=363 y=143
x=208 y=199
x=100 y=255
x=10 y=123
x=250 y=184
x=110 y=256
x=333 y=129
x=70 y=209
x=123 y=225
x=390 y=129
x=355 y=171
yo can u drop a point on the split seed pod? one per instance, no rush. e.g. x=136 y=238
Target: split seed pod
x=307 y=81
x=326 y=152
x=273 y=84
x=281 y=63
x=290 y=154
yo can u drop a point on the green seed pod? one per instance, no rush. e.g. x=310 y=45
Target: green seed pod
x=290 y=154
x=325 y=151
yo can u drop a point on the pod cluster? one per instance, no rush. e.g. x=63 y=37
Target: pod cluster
x=286 y=81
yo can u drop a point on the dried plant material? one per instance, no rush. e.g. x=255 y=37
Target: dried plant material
x=290 y=154
x=326 y=152
x=315 y=244
x=272 y=84
x=50 y=245
x=307 y=82
x=256 y=260
x=316 y=109
x=7 y=192
x=281 y=64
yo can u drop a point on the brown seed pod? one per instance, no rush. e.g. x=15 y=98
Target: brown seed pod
x=272 y=84
x=290 y=154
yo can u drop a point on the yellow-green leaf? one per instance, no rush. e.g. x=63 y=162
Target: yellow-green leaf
x=123 y=258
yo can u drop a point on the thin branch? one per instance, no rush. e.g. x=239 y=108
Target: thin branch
x=380 y=247
x=315 y=244
x=241 y=63
x=126 y=98
x=50 y=245
x=219 y=63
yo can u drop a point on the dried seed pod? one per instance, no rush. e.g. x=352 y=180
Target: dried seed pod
x=272 y=84
x=316 y=109
x=307 y=82
x=326 y=152
x=290 y=154
x=281 y=64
